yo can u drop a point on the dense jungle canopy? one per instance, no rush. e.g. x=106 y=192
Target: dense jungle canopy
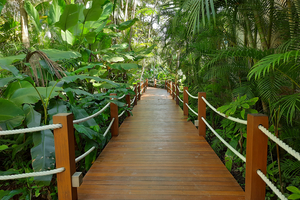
x=69 y=55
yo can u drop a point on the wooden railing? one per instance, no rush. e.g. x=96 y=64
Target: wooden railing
x=256 y=149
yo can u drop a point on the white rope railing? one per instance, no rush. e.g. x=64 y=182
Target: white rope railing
x=91 y=116
x=32 y=174
x=280 y=142
x=121 y=97
x=191 y=109
x=271 y=185
x=179 y=99
x=194 y=97
x=122 y=113
x=223 y=115
x=133 y=88
x=112 y=121
x=79 y=158
x=30 y=130
x=133 y=100
x=179 y=89
x=224 y=142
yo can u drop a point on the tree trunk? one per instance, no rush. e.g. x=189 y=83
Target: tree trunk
x=126 y=10
x=131 y=30
x=24 y=25
x=261 y=33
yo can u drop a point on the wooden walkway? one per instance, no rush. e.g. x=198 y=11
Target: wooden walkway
x=158 y=155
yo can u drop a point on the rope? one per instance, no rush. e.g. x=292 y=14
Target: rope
x=79 y=158
x=223 y=115
x=112 y=121
x=280 y=142
x=194 y=97
x=191 y=109
x=92 y=116
x=224 y=142
x=29 y=130
x=133 y=100
x=179 y=99
x=120 y=115
x=32 y=174
x=133 y=88
x=271 y=185
x=122 y=97
x=179 y=89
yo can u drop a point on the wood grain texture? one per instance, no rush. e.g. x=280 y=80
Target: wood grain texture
x=65 y=155
x=158 y=155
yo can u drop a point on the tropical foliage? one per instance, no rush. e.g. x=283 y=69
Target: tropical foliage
x=69 y=55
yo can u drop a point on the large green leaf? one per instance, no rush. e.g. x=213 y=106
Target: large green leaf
x=68 y=37
x=54 y=12
x=5 y=63
x=107 y=10
x=87 y=131
x=127 y=24
x=93 y=13
x=56 y=55
x=33 y=13
x=32 y=117
x=125 y=66
x=69 y=79
x=10 y=114
x=56 y=106
x=12 y=87
x=2 y=3
x=113 y=58
x=77 y=91
x=90 y=37
x=80 y=113
x=69 y=17
x=30 y=95
x=43 y=153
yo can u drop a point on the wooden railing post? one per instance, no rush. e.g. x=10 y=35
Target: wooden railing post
x=177 y=94
x=256 y=156
x=201 y=113
x=114 y=114
x=139 y=91
x=173 y=85
x=185 y=100
x=155 y=82
x=171 y=92
x=128 y=103
x=65 y=155
x=135 y=90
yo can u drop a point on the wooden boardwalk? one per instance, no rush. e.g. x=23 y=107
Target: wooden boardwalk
x=158 y=155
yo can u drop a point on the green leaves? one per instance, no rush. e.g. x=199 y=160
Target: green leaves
x=127 y=24
x=295 y=191
x=241 y=104
x=32 y=95
x=54 y=12
x=56 y=55
x=2 y=3
x=43 y=153
x=10 y=114
x=93 y=13
x=69 y=17
x=33 y=13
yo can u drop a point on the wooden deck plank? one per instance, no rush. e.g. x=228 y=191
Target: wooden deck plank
x=158 y=155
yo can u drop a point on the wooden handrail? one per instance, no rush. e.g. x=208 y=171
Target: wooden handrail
x=201 y=113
